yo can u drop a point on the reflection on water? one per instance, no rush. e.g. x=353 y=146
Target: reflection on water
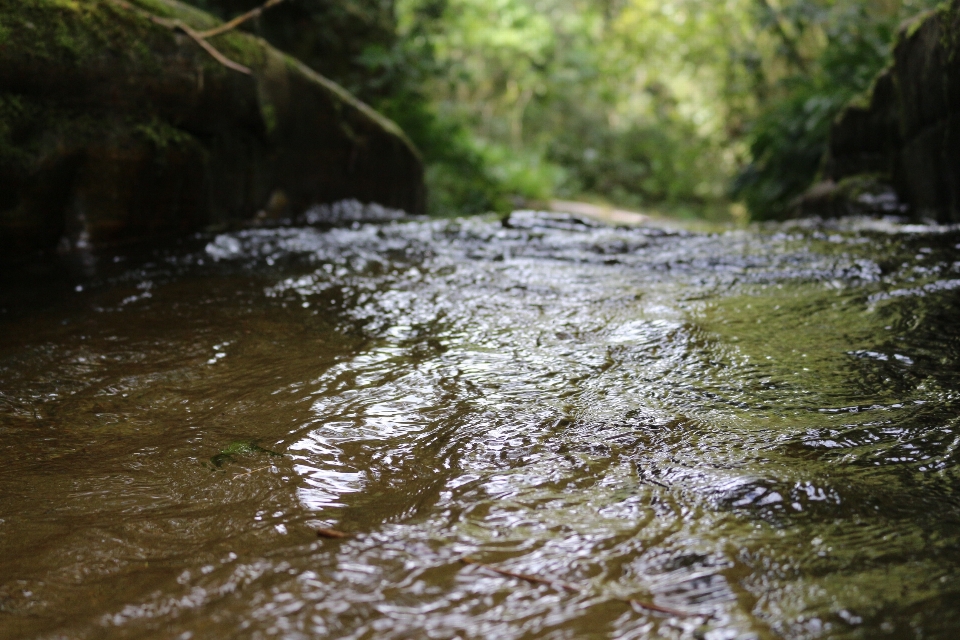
x=758 y=428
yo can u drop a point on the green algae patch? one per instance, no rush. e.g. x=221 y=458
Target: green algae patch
x=238 y=449
x=162 y=134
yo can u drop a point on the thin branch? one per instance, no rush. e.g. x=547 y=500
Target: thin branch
x=655 y=607
x=209 y=48
x=522 y=576
x=196 y=37
x=252 y=471
x=239 y=20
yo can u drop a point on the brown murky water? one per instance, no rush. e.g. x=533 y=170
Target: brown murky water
x=756 y=428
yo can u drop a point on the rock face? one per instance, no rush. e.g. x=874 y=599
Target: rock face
x=906 y=132
x=115 y=126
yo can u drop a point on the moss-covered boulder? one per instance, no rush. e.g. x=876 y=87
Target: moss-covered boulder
x=907 y=129
x=115 y=125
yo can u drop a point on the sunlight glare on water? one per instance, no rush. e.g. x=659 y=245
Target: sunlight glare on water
x=755 y=428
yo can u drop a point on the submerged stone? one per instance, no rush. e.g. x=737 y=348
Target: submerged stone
x=240 y=448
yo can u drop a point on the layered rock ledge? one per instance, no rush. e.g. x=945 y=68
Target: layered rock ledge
x=117 y=126
x=903 y=138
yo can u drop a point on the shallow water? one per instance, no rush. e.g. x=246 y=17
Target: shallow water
x=755 y=428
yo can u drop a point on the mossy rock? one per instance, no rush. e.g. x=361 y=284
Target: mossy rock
x=860 y=194
x=341 y=40
x=114 y=127
x=908 y=127
x=240 y=448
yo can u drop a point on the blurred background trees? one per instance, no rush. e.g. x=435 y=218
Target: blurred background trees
x=693 y=107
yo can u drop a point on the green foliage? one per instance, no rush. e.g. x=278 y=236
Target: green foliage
x=457 y=176
x=677 y=103
x=561 y=99
x=646 y=164
x=788 y=141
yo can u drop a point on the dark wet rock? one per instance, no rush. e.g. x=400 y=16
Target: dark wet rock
x=860 y=194
x=114 y=128
x=350 y=211
x=542 y=220
x=906 y=132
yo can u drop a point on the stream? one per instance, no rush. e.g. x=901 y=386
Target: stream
x=756 y=431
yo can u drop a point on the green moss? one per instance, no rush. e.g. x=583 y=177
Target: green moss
x=865 y=100
x=238 y=46
x=860 y=101
x=12 y=111
x=191 y=16
x=241 y=47
x=162 y=134
x=71 y=31
x=240 y=448
x=852 y=187
x=74 y=31
x=913 y=25
x=269 y=114
x=32 y=129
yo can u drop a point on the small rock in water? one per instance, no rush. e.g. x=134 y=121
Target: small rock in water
x=349 y=211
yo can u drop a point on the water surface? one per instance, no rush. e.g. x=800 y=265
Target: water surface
x=756 y=428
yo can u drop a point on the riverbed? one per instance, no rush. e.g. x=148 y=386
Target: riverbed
x=644 y=432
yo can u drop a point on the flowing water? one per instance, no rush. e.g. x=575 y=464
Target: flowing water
x=755 y=429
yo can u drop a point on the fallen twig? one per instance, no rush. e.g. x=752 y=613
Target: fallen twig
x=200 y=37
x=522 y=576
x=655 y=607
x=240 y=475
x=323 y=532
x=236 y=22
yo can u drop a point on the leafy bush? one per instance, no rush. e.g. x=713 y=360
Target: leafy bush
x=684 y=103
x=458 y=178
x=787 y=144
